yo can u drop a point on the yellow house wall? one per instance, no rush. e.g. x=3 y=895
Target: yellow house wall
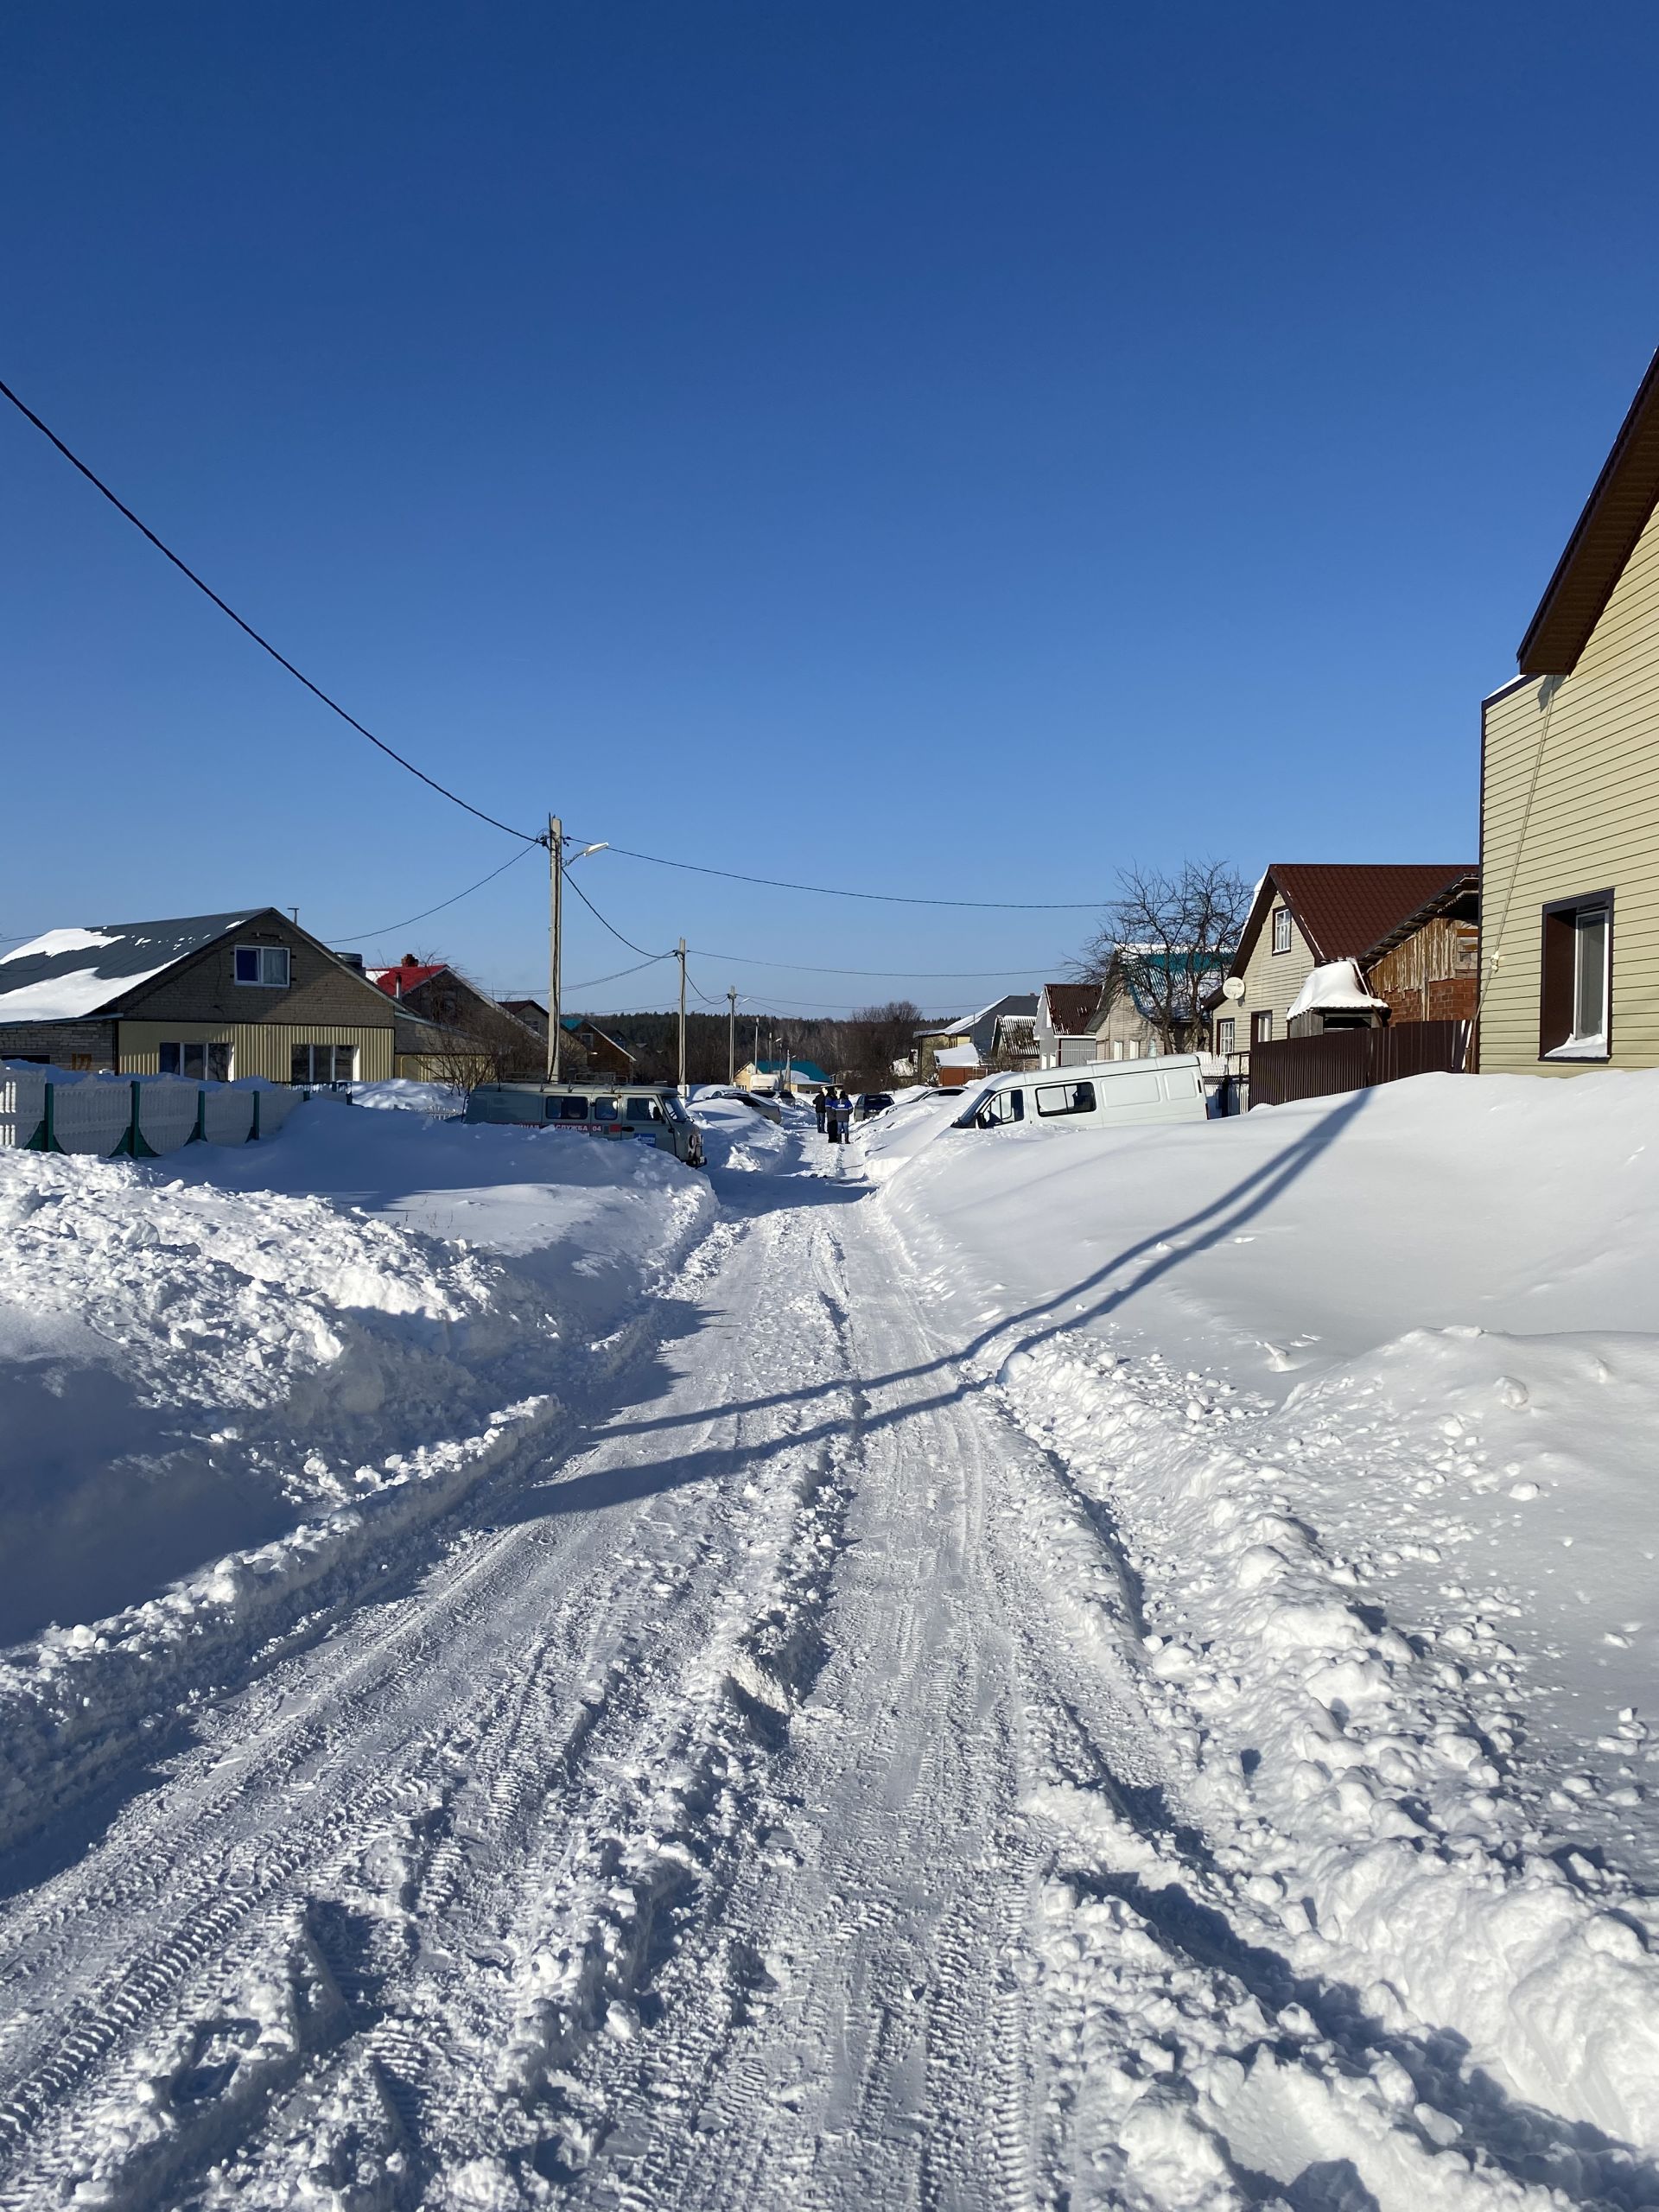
x=1570 y=804
x=263 y=1048
x=1271 y=982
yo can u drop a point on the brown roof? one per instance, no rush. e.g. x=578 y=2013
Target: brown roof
x=1071 y=1006
x=1603 y=540
x=1345 y=910
x=1451 y=894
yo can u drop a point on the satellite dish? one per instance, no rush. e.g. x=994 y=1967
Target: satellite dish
x=1233 y=988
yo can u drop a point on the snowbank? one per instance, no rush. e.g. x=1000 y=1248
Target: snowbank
x=1368 y=1386
x=230 y=1380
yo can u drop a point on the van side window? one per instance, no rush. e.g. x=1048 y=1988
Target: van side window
x=999 y=1108
x=573 y=1109
x=1054 y=1098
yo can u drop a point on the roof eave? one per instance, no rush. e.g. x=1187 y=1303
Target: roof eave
x=1603 y=539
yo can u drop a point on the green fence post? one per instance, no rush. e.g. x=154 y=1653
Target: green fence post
x=45 y=1139
x=199 y=1134
x=133 y=1144
x=253 y=1133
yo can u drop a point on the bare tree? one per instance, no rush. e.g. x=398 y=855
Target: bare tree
x=1165 y=941
x=479 y=1042
x=876 y=1037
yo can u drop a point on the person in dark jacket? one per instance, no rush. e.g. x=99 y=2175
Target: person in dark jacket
x=843 y=1113
x=821 y=1107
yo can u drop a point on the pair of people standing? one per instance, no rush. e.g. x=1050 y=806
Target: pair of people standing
x=834 y=1113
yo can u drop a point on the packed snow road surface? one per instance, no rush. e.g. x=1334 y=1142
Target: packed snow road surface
x=897 y=1739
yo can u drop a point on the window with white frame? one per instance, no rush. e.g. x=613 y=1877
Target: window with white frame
x=196 y=1063
x=1282 y=928
x=1575 y=998
x=267 y=965
x=318 y=1065
x=1224 y=1033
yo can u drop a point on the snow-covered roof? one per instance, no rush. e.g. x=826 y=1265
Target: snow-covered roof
x=67 y=974
x=1337 y=988
x=1011 y=1002
x=956 y=1056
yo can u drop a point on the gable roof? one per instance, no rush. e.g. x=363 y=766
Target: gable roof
x=406 y=977
x=971 y=1025
x=1071 y=1006
x=1467 y=886
x=1345 y=910
x=68 y=974
x=1603 y=537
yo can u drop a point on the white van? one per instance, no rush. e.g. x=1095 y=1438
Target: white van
x=1099 y=1095
x=595 y=1107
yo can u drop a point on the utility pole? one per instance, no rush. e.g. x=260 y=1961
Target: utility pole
x=681 y=957
x=555 y=900
x=731 y=1037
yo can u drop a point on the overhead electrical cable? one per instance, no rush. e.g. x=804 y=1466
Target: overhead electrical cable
x=387 y=928
x=594 y=981
x=928 y=975
x=880 y=898
x=265 y=643
x=571 y=884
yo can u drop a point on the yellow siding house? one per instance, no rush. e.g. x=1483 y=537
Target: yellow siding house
x=1569 y=816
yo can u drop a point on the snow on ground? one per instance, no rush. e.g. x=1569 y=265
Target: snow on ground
x=224 y=1378
x=1012 y=1669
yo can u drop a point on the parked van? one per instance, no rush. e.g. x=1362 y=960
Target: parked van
x=651 y=1110
x=1099 y=1095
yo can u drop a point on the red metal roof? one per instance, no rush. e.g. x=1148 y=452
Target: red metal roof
x=396 y=983
x=1345 y=910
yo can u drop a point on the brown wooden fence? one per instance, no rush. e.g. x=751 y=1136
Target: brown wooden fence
x=1354 y=1059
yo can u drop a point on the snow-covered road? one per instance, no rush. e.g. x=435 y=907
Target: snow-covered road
x=764 y=1802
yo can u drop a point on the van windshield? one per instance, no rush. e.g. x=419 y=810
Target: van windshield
x=993 y=1109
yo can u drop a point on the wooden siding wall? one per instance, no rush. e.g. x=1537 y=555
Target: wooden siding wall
x=1271 y=982
x=1592 y=825
x=263 y=1048
x=1430 y=977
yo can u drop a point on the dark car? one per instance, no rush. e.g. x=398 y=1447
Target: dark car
x=874 y=1102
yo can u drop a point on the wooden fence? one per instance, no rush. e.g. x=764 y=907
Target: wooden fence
x=1354 y=1059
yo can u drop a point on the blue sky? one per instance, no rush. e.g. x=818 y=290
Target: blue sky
x=952 y=449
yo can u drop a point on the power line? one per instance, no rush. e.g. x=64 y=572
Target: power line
x=594 y=981
x=224 y=606
x=927 y=974
x=881 y=898
x=387 y=929
x=615 y=932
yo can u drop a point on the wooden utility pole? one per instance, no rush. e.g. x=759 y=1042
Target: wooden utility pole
x=731 y=1037
x=680 y=955
x=555 y=900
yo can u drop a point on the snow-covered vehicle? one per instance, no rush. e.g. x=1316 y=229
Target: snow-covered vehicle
x=1099 y=1095
x=652 y=1110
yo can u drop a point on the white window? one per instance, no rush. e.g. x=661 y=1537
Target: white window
x=264 y=965
x=1224 y=1034
x=209 y=1063
x=1054 y=1098
x=316 y=1065
x=1575 y=1009
x=1282 y=928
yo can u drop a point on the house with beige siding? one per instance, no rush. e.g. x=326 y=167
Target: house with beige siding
x=1309 y=914
x=208 y=996
x=1569 y=815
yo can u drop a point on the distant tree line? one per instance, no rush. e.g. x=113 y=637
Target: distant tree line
x=859 y=1051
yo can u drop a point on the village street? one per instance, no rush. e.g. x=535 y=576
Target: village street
x=764 y=1802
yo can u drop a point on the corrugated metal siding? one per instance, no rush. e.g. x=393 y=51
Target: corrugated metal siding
x=1593 y=823
x=263 y=1048
x=1271 y=982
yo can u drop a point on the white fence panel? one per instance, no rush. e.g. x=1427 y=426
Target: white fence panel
x=229 y=1118
x=91 y=1115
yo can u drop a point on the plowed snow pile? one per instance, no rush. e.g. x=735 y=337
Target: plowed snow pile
x=1368 y=1390
x=218 y=1406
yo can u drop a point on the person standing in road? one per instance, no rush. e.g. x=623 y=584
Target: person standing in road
x=843 y=1113
x=820 y=1107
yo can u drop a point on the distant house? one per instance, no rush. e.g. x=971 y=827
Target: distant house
x=1064 y=1028
x=1139 y=983
x=470 y=1026
x=956 y=1066
x=213 y=996
x=1306 y=916
x=598 y=1050
x=1013 y=1040
x=1569 y=827
x=978 y=1030
x=782 y=1075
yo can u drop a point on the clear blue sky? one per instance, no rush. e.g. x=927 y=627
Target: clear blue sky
x=937 y=447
